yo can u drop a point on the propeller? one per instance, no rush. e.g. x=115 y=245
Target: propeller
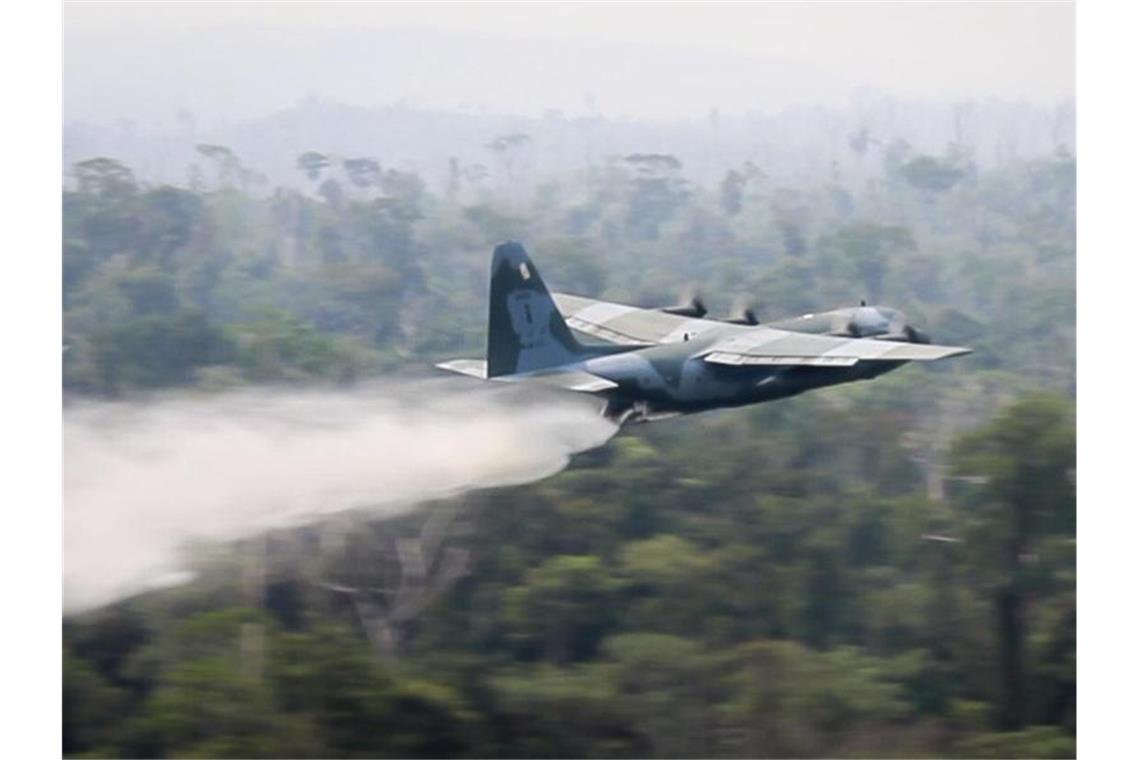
x=742 y=314
x=915 y=336
x=695 y=308
x=747 y=318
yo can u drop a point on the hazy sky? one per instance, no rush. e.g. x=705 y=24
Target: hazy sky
x=237 y=59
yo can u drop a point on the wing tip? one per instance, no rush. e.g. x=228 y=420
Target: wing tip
x=950 y=351
x=918 y=352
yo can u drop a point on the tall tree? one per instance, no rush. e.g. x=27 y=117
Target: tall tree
x=1027 y=458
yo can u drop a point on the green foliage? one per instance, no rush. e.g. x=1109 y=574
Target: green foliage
x=865 y=250
x=1035 y=742
x=1027 y=456
x=928 y=173
x=740 y=614
x=548 y=711
x=90 y=706
x=279 y=347
x=885 y=569
x=157 y=350
x=562 y=609
x=791 y=701
x=105 y=177
x=207 y=708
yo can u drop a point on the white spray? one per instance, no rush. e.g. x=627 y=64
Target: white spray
x=141 y=480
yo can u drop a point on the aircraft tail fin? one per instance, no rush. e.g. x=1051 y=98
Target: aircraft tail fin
x=525 y=331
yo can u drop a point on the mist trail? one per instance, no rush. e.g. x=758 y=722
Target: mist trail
x=140 y=480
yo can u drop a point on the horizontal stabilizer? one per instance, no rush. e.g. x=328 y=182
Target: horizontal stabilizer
x=565 y=379
x=472 y=367
x=570 y=380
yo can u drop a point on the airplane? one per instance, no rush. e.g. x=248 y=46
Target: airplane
x=659 y=363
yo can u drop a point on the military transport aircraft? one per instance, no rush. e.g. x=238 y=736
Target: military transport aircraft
x=659 y=363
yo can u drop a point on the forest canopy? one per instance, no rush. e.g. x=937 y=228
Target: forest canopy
x=885 y=569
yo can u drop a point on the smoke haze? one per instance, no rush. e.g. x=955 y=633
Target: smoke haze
x=240 y=60
x=141 y=480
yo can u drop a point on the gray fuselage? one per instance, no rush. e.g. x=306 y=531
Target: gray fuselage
x=673 y=378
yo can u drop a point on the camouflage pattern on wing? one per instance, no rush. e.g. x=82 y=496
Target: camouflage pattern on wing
x=737 y=344
x=631 y=325
x=764 y=345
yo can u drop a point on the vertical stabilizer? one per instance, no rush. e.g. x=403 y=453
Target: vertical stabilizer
x=525 y=331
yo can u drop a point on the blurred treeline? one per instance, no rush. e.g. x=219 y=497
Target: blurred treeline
x=881 y=569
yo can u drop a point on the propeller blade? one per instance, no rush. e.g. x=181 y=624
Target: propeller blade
x=695 y=308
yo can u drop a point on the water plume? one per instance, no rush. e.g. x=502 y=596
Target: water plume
x=143 y=479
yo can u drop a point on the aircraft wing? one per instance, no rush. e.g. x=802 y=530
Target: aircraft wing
x=630 y=325
x=765 y=345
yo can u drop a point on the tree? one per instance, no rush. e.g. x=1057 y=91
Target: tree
x=278 y=346
x=546 y=711
x=656 y=191
x=666 y=575
x=169 y=219
x=930 y=174
x=227 y=166
x=332 y=192
x=312 y=164
x=791 y=216
x=790 y=701
x=362 y=172
x=157 y=350
x=90 y=705
x=865 y=248
x=1026 y=457
x=507 y=147
x=561 y=612
x=732 y=192
x=105 y=177
x=355 y=705
x=668 y=683
x=207 y=708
